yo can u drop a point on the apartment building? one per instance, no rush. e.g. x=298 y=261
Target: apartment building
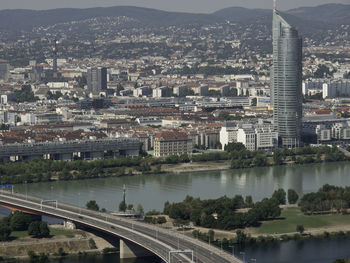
x=172 y=143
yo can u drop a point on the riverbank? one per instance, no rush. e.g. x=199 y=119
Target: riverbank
x=196 y=167
x=68 y=242
x=40 y=170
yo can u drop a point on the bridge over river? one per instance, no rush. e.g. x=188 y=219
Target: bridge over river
x=136 y=238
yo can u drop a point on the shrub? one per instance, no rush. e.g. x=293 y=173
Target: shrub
x=300 y=229
x=92 y=244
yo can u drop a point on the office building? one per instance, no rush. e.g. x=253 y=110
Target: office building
x=97 y=80
x=4 y=70
x=286 y=82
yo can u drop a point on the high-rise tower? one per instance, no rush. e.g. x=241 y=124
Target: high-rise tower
x=54 y=55
x=286 y=81
x=97 y=80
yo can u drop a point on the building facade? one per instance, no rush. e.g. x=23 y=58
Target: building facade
x=172 y=143
x=97 y=80
x=4 y=70
x=286 y=82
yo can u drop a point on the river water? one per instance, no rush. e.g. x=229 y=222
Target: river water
x=153 y=190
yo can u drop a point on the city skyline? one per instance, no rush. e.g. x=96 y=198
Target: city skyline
x=181 y=5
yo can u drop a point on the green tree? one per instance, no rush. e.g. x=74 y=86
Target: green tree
x=277 y=157
x=130 y=207
x=241 y=237
x=300 y=229
x=292 y=196
x=92 y=205
x=44 y=229
x=161 y=220
x=20 y=221
x=249 y=201
x=211 y=235
x=92 y=244
x=34 y=228
x=5 y=231
x=139 y=210
x=61 y=252
x=122 y=206
x=234 y=146
x=280 y=196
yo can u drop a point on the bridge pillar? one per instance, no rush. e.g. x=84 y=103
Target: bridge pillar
x=131 y=250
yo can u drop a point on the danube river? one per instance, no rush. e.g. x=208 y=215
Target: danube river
x=153 y=190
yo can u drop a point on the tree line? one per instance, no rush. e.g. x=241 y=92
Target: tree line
x=19 y=221
x=40 y=170
x=327 y=199
x=226 y=213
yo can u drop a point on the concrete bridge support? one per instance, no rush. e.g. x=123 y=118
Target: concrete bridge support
x=131 y=250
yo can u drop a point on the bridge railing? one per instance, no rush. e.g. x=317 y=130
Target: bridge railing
x=80 y=214
x=134 y=227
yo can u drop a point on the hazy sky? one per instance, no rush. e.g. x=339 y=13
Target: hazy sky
x=201 y=6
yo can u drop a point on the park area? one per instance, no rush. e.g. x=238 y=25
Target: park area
x=292 y=216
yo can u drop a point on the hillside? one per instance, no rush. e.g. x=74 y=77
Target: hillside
x=27 y=19
x=329 y=13
x=319 y=16
x=238 y=14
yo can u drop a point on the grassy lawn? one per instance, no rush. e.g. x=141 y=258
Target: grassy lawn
x=19 y=234
x=61 y=232
x=53 y=232
x=293 y=217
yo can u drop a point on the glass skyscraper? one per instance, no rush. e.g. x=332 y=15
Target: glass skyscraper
x=286 y=81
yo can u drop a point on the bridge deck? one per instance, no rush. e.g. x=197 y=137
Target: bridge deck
x=157 y=240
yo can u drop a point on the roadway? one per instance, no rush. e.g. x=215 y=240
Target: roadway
x=157 y=240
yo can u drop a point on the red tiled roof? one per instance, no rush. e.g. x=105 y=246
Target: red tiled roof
x=171 y=136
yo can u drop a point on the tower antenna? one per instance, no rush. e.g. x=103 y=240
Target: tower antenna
x=274 y=5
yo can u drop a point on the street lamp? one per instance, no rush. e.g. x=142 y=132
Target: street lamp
x=243 y=253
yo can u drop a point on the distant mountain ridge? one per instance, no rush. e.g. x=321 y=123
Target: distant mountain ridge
x=21 y=19
x=333 y=13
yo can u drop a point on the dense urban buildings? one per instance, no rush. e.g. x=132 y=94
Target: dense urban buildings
x=286 y=81
x=211 y=83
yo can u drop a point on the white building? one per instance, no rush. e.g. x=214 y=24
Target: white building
x=323 y=133
x=228 y=133
x=159 y=92
x=266 y=138
x=252 y=136
x=247 y=137
x=142 y=91
x=341 y=131
x=336 y=89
